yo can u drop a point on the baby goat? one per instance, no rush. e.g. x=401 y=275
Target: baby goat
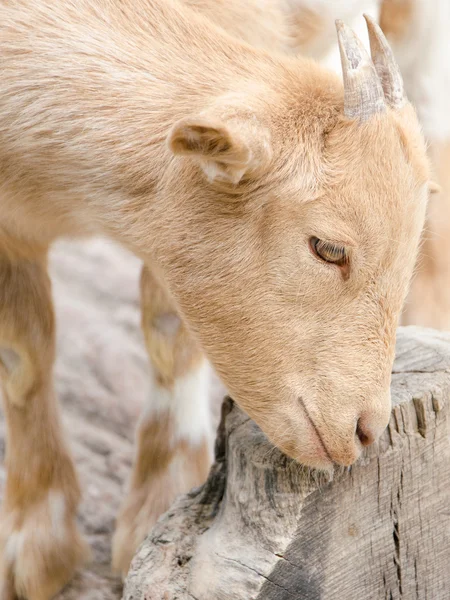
x=278 y=215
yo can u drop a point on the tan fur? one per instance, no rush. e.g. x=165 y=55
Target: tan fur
x=163 y=469
x=215 y=162
x=265 y=25
x=165 y=464
x=38 y=555
x=170 y=347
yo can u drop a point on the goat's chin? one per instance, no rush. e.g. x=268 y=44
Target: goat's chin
x=298 y=438
x=308 y=452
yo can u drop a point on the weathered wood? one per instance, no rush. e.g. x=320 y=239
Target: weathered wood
x=265 y=528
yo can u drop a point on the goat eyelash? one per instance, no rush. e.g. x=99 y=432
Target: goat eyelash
x=329 y=252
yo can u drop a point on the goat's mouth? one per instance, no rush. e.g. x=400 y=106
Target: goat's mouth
x=324 y=450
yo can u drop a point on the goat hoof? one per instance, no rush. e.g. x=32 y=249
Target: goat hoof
x=40 y=548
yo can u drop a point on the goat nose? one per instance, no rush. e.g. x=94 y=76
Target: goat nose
x=366 y=435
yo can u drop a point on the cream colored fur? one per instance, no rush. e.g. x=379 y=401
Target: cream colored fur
x=217 y=163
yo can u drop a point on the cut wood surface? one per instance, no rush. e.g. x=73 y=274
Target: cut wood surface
x=265 y=528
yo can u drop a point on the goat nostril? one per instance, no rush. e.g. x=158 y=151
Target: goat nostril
x=364 y=434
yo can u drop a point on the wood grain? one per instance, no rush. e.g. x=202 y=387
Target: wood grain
x=264 y=528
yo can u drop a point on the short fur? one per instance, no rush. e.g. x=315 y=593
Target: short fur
x=215 y=162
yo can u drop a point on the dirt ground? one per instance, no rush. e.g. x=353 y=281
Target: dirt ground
x=101 y=378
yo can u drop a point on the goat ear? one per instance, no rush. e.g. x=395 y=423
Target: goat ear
x=434 y=188
x=226 y=152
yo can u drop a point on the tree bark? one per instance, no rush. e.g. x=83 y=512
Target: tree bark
x=265 y=528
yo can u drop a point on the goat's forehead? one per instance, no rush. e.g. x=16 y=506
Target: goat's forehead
x=380 y=176
x=382 y=167
x=388 y=147
x=365 y=155
x=373 y=202
x=377 y=202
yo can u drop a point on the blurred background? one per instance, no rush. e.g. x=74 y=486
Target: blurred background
x=418 y=31
x=102 y=368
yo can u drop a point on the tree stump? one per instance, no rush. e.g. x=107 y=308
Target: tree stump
x=265 y=528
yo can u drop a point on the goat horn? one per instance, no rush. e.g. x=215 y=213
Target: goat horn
x=363 y=94
x=385 y=65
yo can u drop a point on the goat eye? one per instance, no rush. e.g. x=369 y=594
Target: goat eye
x=329 y=252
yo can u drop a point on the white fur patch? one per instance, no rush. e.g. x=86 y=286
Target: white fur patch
x=213 y=172
x=46 y=520
x=188 y=402
x=57 y=509
x=13 y=546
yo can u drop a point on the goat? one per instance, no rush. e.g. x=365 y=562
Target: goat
x=417 y=32
x=278 y=215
